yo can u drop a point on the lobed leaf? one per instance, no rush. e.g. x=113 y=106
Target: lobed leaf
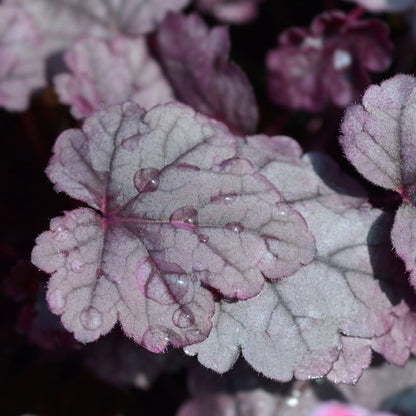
x=178 y=214
x=196 y=60
x=296 y=326
x=378 y=139
x=108 y=72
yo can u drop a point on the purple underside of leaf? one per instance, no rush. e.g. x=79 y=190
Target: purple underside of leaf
x=62 y=22
x=108 y=72
x=21 y=69
x=179 y=213
x=196 y=60
x=297 y=326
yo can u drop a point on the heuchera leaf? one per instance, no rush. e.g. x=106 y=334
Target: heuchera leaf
x=61 y=22
x=294 y=326
x=385 y=5
x=379 y=140
x=230 y=11
x=177 y=213
x=108 y=72
x=328 y=61
x=21 y=68
x=196 y=61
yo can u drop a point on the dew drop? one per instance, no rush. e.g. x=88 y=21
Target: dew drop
x=188 y=168
x=77 y=266
x=56 y=301
x=178 y=285
x=130 y=108
x=146 y=180
x=91 y=318
x=223 y=199
x=60 y=233
x=185 y=218
x=183 y=317
x=193 y=335
x=155 y=338
x=202 y=238
x=235 y=227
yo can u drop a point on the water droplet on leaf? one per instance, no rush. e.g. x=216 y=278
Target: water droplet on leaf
x=77 y=266
x=185 y=218
x=146 y=180
x=235 y=227
x=223 y=198
x=202 y=238
x=56 y=301
x=188 y=168
x=183 y=317
x=155 y=338
x=91 y=318
x=193 y=336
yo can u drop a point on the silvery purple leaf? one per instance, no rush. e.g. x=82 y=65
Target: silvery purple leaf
x=21 y=67
x=328 y=61
x=230 y=11
x=108 y=72
x=379 y=140
x=178 y=213
x=300 y=335
x=196 y=60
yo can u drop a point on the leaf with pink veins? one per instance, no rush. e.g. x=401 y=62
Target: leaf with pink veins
x=21 y=67
x=296 y=326
x=178 y=213
x=109 y=72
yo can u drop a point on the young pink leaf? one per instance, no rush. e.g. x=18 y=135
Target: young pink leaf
x=62 y=22
x=21 y=67
x=300 y=334
x=328 y=61
x=230 y=11
x=178 y=212
x=108 y=72
x=196 y=61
